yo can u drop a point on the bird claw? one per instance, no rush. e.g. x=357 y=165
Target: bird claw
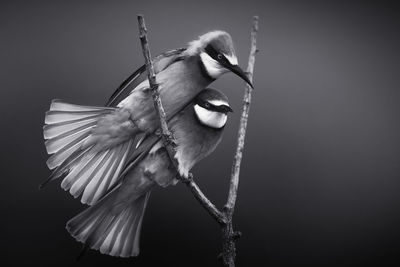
x=186 y=178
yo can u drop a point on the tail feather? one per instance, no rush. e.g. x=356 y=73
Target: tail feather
x=115 y=233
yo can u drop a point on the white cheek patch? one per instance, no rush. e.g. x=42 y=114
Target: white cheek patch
x=232 y=59
x=210 y=118
x=217 y=102
x=213 y=68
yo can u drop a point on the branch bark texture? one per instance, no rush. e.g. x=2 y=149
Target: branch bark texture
x=228 y=234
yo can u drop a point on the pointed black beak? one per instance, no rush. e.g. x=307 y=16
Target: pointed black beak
x=239 y=72
x=227 y=109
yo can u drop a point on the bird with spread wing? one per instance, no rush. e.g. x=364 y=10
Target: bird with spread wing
x=92 y=147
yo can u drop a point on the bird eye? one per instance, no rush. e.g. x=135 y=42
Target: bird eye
x=207 y=105
x=219 y=56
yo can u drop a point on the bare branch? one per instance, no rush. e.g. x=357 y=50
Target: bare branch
x=166 y=134
x=168 y=139
x=230 y=205
x=228 y=234
x=223 y=218
x=205 y=202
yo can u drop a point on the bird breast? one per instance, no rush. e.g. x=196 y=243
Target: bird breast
x=194 y=140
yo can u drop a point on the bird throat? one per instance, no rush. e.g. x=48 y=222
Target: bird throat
x=212 y=68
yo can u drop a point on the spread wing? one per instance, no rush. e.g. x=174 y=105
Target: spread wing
x=160 y=62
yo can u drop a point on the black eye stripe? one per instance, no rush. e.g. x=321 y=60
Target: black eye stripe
x=211 y=51
x=215 y=55
x=209 y=106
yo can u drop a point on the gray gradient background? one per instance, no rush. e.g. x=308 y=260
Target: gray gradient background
x=320 y=175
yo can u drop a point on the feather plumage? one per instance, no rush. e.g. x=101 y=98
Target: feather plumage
x=160 y=63
x=82 y=141
x=93 y=147
x=112 y=225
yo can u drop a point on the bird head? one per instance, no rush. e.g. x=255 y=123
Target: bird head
x=211 y=108
x=217 y=54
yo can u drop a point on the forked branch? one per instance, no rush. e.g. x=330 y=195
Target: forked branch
x=224 y=218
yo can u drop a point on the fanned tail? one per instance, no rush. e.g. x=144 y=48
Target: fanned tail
x=109 y=228
x=90 y=172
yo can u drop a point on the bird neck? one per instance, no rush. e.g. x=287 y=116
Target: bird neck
x=203 y=69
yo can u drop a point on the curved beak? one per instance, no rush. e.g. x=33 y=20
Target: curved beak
x=239 y=72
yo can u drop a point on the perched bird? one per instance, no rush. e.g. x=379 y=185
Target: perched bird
x=90 y=145
x=113 y=224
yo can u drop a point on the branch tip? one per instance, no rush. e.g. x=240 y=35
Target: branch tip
x=228 y=246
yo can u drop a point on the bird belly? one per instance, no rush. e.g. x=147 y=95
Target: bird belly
x=156 y=168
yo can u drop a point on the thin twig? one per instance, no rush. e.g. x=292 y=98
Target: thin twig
x=167 y=137
x=228 y=234
x=205 y=202
x=230 y=205
x=166 y=134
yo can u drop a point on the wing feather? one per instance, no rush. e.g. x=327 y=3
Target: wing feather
x=160 y=63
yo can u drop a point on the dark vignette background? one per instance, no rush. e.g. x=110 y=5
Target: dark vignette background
x=320 y=176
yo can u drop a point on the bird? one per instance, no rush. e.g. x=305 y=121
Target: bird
x=81 y=139
x=113 y=224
